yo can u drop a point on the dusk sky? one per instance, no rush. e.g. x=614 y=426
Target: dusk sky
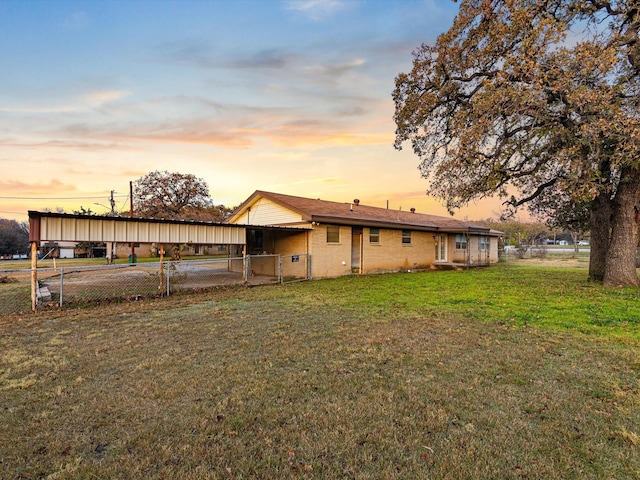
x=280 y=95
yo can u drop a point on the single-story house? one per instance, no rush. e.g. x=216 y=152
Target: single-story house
x=345 y=238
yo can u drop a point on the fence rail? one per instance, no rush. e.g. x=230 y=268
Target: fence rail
x=69 y=285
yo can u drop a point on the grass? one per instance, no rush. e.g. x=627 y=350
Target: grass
x=558 y=299
x=509 y=372
x=15 y=292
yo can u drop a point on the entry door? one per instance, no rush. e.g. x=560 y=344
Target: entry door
x=356 y=249
x=441 y=247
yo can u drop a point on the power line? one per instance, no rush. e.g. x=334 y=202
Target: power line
x=57 y=198
x=124 y=203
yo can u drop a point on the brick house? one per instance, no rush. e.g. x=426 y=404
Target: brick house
x=344 y=238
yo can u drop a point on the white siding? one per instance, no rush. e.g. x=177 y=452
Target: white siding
x=115 y=230
x=265 y=212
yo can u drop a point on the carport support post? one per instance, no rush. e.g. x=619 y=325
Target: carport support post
x=34 y=275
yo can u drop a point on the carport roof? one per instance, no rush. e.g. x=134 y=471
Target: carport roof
x=48 y=226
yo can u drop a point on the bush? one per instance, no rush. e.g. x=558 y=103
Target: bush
x=539 y=252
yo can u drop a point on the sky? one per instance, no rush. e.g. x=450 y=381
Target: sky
x=288 y=96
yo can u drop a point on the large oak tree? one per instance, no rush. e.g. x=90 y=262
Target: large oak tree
x=171 y=195
x=535 y=101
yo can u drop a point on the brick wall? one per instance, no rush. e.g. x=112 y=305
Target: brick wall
x=390 y=254
x=329 y=259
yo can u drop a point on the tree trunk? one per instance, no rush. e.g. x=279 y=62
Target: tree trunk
x=600 y=234
x=620 y=268
x=574 y=239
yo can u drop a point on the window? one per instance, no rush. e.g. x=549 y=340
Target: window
x=461 y=242
x=406 y=237
x=374 y=235
x=484 y=243
x=333 y=234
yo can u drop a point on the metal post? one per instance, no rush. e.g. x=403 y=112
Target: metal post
x=168 y=277
x=161 y=252
x=245 y=262
x=133 y=245
x=61 y=285
x=280 y=277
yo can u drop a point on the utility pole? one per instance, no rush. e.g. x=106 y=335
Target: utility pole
x=133 y=245
x=131 y=198
x=111 y=246
x=112 y=202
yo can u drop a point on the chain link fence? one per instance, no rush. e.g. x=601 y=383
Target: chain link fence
x=65 y=286
x=542 y=252
x=15 y=291
x=295 y=268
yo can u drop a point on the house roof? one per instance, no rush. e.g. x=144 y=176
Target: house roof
x=357 y=214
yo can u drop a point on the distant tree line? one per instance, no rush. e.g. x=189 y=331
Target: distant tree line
x=518 y=233
x=14 y=237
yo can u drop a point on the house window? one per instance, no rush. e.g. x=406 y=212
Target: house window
x=461 y=242
x=484 y=243
x=374 y=235
x=333 y=234
x=406 y=237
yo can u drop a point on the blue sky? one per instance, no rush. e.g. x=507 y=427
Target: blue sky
x=281 y=95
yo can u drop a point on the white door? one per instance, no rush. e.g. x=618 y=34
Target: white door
x=441 y=247
x=66 y=252
x=356 y=249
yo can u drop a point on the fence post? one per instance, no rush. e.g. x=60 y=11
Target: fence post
x=280 y=276
x=308 y=266
x=61 y=284
x=161 y=286
x=168 y=281
x=245 y=262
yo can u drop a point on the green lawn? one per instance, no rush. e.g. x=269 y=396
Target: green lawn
x=508 y=372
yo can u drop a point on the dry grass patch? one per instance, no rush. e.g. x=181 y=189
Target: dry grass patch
x=312 y=381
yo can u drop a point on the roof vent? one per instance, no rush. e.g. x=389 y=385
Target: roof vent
x=413 y=210
x=356 y=201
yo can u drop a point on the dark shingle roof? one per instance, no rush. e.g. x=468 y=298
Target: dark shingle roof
x=324 y=211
